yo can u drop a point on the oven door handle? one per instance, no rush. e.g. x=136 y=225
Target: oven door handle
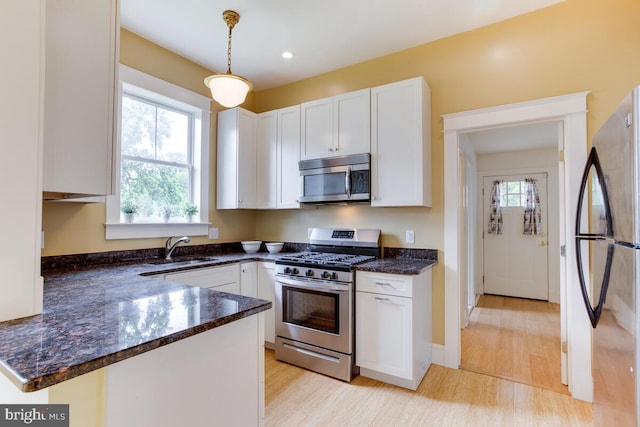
x=321 y=286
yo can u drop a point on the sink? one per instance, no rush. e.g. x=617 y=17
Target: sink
x=184 y=260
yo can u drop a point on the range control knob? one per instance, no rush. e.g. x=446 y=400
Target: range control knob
x=325 y=275
x=295 y=271
x=287 y=270
x=309 y=273
x=334 y=276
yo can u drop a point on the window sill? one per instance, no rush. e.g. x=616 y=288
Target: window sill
x=140 y=230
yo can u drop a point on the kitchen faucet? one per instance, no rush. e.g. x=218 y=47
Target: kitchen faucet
x=169 y=248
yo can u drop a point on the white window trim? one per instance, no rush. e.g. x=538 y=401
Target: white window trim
x=159 y=90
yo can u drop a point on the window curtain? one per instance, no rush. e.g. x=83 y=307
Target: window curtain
x=532 y=222
x=495 y=210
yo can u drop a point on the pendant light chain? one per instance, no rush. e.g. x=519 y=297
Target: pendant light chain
x=229 y=51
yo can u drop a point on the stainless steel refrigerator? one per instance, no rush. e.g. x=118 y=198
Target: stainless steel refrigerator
x=608 y=247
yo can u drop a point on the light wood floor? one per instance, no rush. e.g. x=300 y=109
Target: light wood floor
x=446 y=397
x=516 y=339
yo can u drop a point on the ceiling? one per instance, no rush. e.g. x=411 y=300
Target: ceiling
x=324 y=35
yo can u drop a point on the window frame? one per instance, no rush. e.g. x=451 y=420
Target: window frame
x=140 y=84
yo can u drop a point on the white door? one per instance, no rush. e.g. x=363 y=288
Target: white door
x=515 y=264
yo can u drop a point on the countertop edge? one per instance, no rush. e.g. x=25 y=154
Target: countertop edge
x=49 y=380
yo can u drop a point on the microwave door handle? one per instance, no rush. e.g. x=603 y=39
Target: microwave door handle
x=347 y=183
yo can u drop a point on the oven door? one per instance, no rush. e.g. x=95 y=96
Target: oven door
x=315 y=312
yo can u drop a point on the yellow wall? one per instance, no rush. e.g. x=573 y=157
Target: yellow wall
x=573 y=46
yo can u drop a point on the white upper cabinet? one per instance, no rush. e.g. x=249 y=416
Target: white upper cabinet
x=266 y=160
x=336 y=126
x=236 y=183
x=352 y=123
x=80 y=82
x=21 y=29
x=287 y=176
x=401 y=144
x=278 y=153
x=316 y=140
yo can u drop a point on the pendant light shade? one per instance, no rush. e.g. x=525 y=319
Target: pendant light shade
x=228 y=89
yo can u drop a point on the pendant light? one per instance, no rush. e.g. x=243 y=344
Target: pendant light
x=228 y=89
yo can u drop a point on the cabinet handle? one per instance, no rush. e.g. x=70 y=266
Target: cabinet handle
x=330 y=149
x=383 y=284
x=382 y=299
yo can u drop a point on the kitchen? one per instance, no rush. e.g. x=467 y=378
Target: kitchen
x=573 y=46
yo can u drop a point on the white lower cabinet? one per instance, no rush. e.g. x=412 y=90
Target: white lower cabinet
x=267 y=290
x=251 y=279
x=225 y=278
x=248 y=279
x=393 y=327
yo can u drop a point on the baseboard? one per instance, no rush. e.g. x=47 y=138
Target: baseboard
x=437 y=354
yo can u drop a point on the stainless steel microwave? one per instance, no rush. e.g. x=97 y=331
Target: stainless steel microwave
x=336 y=179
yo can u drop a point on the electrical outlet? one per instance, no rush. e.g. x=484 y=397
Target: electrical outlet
x=213 y=233
x=410 y=236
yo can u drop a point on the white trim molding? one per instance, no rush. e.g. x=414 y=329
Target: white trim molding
x=571 y=111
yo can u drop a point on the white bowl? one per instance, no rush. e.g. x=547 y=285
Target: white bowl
x=251 y=246
x=274 y=248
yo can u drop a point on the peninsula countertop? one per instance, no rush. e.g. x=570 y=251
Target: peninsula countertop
x=97 y=316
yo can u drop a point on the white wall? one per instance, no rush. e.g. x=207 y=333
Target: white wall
x=519 y=162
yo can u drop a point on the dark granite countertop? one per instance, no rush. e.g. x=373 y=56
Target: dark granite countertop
x=103 y=308
x=97 y=316
x=404 y=266
x=406 y=261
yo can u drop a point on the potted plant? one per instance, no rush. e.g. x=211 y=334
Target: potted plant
x=130 y=210
x=167 y=211
x=190 y=210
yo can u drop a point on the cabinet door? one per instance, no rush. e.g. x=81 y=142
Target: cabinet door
x=384 y=334
x=317 y=129
x=248 y=279
x=267 y=290
x=246 y=171
x=401 y=144
x=79 y=96
x=236 y=163
x=288 y=175
x=267 y=152
x=352 y=123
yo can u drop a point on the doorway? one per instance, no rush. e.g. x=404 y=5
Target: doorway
x=512 y=330
x=570 y=111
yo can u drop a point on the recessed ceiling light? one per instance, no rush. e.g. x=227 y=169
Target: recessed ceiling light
x=287 y=55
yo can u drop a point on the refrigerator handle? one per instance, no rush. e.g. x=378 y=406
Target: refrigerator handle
x=594 y=312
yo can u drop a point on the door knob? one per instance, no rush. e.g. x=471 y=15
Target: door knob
x=543 y=243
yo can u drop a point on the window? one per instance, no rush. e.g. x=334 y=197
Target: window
x=156 y=173
x=161 y=164
x=513 y=194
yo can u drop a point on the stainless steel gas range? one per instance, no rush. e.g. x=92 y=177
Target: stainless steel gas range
x=315 y=300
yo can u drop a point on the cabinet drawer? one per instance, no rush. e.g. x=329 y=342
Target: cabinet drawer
x=387 y=284
x=207 y=277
